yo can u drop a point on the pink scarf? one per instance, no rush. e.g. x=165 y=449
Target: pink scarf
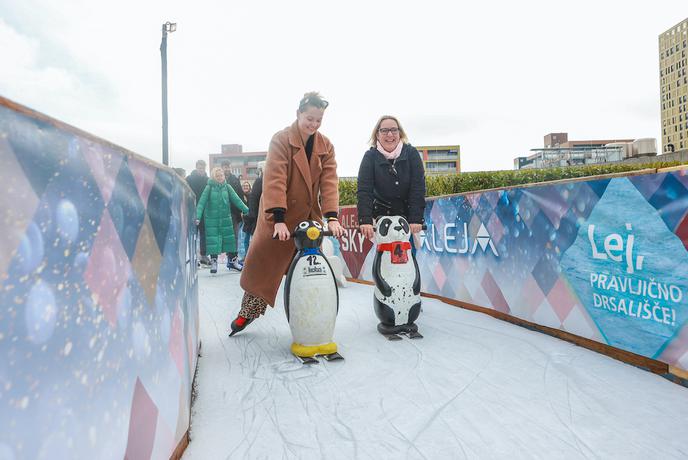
x=394 y=154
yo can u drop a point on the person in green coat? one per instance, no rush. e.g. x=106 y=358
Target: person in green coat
x=214 y=208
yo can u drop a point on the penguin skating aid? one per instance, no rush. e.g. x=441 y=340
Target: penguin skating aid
x=311 y=297
x=397 y=279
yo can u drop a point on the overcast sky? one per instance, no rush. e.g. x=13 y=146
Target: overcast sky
x=493 y=77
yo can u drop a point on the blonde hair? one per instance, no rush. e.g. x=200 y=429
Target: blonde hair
x=215 y=170
x=402 y=133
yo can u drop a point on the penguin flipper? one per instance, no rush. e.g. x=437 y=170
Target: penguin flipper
x=381 y=284
x=416 y=281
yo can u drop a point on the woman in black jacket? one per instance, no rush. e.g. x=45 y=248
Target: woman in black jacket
x=253 y=204
x=391 y=178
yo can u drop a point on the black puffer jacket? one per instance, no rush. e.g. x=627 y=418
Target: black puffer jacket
x=382 y=192
x=197 y=182
x=236 y=185
x=253 y=205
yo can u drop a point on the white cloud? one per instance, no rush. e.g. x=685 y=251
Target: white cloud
x=25 y=77
x=494 y=78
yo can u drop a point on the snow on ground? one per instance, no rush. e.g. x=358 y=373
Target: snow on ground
x=474 y=387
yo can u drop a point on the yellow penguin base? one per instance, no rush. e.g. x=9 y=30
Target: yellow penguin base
x=308 y=351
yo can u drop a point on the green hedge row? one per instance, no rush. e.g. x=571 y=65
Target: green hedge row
x=483 y=180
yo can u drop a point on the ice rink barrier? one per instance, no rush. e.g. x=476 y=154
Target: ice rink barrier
x=98 y=296
x=601 y=261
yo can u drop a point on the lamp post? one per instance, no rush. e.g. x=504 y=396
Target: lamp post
x=167 y=27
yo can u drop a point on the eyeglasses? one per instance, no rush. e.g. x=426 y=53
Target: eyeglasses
x=393 y=170
x=384 y=131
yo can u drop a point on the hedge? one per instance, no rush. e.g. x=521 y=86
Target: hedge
x=483 y=180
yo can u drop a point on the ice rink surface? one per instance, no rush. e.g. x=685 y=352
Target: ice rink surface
x=474 y=387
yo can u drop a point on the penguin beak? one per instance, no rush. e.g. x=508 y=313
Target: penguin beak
x=313 y=233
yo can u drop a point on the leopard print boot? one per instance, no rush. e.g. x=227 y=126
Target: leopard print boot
x=251 y=308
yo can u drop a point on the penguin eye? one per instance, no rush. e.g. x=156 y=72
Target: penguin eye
x=384 y=226
x=317 y=224
x=303 y=225
x=404 y=225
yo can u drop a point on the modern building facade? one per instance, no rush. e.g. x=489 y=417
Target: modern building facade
x=441 y=159
x=673 y=51
x=559 y=151
x=243 y=164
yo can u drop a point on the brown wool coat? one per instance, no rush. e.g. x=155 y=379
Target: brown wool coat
x=289 y=182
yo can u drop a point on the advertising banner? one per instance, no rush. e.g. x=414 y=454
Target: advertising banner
x=98 y=296
x=603 y=259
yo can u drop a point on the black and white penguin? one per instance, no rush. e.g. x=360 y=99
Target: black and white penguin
x=311 y=298
x=397 y=279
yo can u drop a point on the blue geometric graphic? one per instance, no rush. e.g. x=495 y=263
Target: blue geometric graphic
x=629 y=271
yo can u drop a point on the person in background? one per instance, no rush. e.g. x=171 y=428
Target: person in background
x=197 y=180
x=235 y=183
x=299 y=183
x=391 y=179
x=245 y=236
x=253 y=204
x=213 y=208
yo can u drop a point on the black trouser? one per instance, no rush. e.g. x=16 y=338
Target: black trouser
x=201 y=234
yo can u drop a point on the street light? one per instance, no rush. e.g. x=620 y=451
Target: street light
x=167 y=27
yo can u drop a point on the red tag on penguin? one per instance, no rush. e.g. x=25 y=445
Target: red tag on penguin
x=397 y=249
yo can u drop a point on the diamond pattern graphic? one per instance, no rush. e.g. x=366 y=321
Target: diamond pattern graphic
x=144 y=177
x=473 y=199
x=550 y=203
x=439 y=277
x=40 y=148
x=146 y=261
x=535 y=228
x=159 y=212
x=527 y=208
x=493 y=292
x=176 y=345
x=545 y=273
x=579 y=323
x=126 y=210
x=108 y=268
x=105 y=164
x=667 y=200
x=546 y=316
x=15 y=219
x=495 y=227
x=531 y=297
x=80 y=270
x=560 y=299
x=142 y=424
x=648 y=184
x=682 y=230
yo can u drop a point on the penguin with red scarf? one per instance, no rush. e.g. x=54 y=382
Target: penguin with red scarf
x=397 y=279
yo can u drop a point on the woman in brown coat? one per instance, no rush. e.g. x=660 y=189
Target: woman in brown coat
x=299 y=183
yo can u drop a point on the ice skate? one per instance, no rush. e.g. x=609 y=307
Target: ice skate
x=239 y=324
x=234 y=263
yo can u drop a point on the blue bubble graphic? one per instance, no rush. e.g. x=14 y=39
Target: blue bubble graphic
x=40 y=313
x=67 y=218
x=81 y=261
x=30 y=252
